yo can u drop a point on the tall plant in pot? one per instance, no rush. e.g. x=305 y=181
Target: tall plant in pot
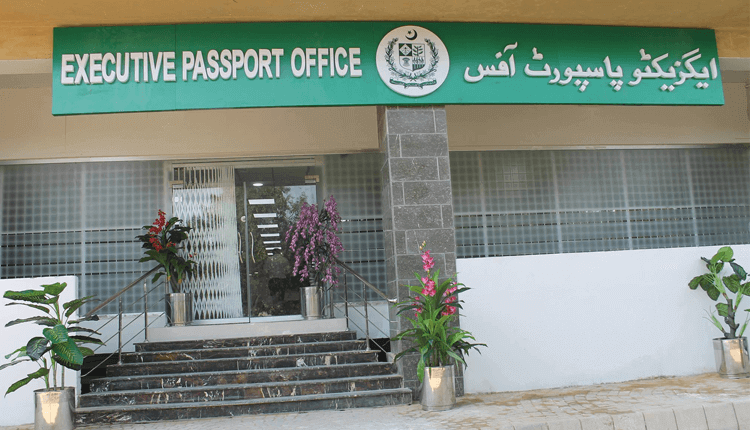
x=435 y=338
x=57 y=346
x=731 y=351
x=314 y=243
x=162 y=244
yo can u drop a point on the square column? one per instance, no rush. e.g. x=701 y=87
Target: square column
x=417 y=207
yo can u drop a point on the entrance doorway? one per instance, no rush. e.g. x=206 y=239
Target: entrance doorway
x=240 y=217
x=268 y=203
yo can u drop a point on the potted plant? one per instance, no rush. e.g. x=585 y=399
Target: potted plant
x=731 y=351
x=315 y=245
x=161 y=243
x=57 y=348
x=436 y=340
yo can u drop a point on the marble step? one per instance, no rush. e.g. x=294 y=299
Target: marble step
x=246 y=342
x=211 y=378
x=186 y=411
x=243 y=363
x=240 y=391
x=244 y=351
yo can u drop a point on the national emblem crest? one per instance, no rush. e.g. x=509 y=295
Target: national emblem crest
x=412 y=61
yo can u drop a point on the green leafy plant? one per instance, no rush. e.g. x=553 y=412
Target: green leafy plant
x=161 y=243
x=435 y=307
x=57 y=345
x=729 y=287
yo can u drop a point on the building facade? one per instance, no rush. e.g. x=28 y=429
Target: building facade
x=565 y=220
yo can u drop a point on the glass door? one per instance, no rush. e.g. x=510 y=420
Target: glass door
x=268 y=201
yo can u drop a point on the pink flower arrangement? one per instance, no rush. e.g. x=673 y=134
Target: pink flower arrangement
x=429 y=282
x=427 y=261
x=435 y=305
x=314 y=243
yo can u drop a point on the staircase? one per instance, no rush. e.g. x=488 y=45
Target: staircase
x=214 y=378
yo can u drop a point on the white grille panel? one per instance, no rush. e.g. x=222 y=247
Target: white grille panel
x=206 y=203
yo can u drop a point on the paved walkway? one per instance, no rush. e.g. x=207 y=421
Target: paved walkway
x=703 y=402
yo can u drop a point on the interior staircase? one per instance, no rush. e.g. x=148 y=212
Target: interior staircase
x=213 y=378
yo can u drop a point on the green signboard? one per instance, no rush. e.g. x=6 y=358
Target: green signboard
x=206 y=66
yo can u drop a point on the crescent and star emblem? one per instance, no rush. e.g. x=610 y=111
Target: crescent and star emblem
x=412 y=61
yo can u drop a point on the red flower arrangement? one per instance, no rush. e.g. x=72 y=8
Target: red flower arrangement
x=161 y=243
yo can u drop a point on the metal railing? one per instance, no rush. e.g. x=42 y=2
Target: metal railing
x=353 y=301
x=360 y=298
x=119 y=316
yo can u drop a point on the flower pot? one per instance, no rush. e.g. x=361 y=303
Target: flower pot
x=311 y=299
x=179 y=308
x=732 y=358
x=54 y=409
x=439 y=389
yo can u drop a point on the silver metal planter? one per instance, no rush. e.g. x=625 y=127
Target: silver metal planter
x=54 y=409
x=732 y=358
x=179 y=309
x=439 y=389
x=311 y=299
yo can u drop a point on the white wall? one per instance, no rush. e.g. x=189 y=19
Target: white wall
x=576 y=319
x=18 y=407
x=482 y=128
x=132 y=330
x=28 y=131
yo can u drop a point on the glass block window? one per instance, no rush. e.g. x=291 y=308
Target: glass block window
x=79 y=219
x=721 y=193
x=41 y=221
x=546 y=202
x=354 y=180
x=661 y=212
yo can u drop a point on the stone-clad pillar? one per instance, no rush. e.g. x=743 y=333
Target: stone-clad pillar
x=417 y=206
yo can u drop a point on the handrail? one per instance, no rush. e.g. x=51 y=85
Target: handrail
x=143 y=277
x=363 y=280
x=366 y=314
x=119 y=293
x=120 y=328
x=118 y=351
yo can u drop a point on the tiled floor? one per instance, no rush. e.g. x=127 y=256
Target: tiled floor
x=695 y=402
